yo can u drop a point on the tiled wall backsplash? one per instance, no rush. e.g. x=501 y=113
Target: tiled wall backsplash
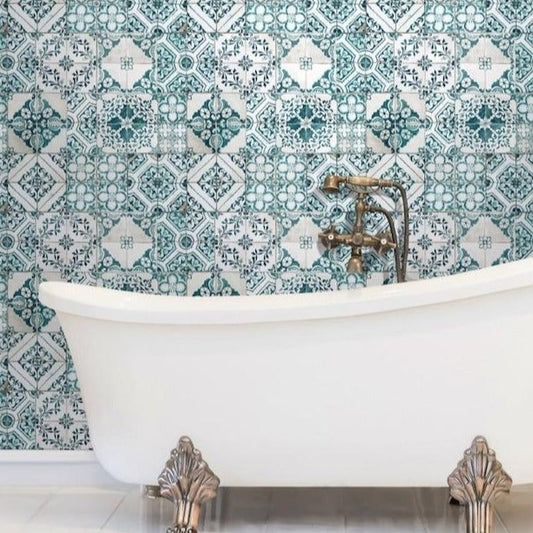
x=179 y=147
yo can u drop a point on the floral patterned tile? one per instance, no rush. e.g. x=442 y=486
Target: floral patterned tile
x=181 y=147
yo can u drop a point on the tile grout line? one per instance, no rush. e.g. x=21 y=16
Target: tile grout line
x=114 y=511
x=420 y=510
x=42 y=506
x=500 y=520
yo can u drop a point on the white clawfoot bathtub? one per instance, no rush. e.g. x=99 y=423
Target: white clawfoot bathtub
x=382 y=386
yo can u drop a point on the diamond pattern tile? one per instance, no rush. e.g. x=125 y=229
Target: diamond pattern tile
x=179 y=147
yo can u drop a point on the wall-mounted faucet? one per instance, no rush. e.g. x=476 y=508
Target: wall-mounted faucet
x=358 y=238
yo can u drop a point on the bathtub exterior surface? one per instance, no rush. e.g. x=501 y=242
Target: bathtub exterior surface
x=382 y=386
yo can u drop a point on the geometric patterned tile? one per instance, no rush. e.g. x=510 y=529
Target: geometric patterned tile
x=486 y=122
x=425 y=64
x=62 y=422
x=46 y=16
x=226 y=18
x=36 y=123
x=37 y=182
x=486 y=63
x=306 y=123
x=299 y=247
x=37 y=361
x=216 y=284
x=126 y=243
x=185 y=242
x=127 y=122
x=66 y=64
x=215 y=123
x=391 y=16
x=432 y=248
x=245 y=244
x=18 y=421
x=180 y=147
x=25 y=312
x=126 y=64
x=396 y=123
x=66 y=245
x=484 y=241
x=216 y=182
x=245 y=64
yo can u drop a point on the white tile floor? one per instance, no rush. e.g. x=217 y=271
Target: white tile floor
x=123 y=509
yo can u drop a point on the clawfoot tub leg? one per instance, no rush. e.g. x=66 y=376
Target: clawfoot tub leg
x=476 y=483
x=187 y=481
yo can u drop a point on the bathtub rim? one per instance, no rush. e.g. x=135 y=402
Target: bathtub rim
x=122 y=306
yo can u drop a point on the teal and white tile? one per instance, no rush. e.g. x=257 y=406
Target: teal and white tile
x=81 y=16
x=425 y=63
x=180 y=147
x=44 y=17
x=18 y=240
x=299 y=247
x=127 y=122
x=25 y=312
x=245 y=243
x=439 y=16
x=392 y=15
x=185 y=243
x=486 y=122
x=126 y=63
x=304 y=282
x=126 y=243
x=305 y=63
x=216 y=284
x=216 y=182
x=522 y=57
x=216 y=122
x=364 y=62
x=226 y=16
x=134 y=281
x=306 y=123
x=246 y=63
x=396 y=122
x=483 y=241
x=470 y=16
x=36 y=122
x=501 y=186
x=66 y=65
x=37 y=182
x=440 y=135
x=485 y=62
x=432 y=244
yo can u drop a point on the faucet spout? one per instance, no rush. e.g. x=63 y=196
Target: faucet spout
x=355 y=264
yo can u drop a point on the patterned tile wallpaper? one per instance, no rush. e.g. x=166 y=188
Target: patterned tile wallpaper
x=179 y=146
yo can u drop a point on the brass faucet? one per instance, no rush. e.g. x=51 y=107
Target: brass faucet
x=358 y=239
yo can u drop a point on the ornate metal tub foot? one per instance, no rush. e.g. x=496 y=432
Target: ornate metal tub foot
x=476 y=483
x=187 y=481
x=152 y=492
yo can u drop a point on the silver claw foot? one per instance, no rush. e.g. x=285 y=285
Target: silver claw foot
x=476 y=483
x=187 y=481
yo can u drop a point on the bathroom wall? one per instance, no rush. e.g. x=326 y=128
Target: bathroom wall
x=179 y=147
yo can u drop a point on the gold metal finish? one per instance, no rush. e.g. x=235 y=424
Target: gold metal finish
x=331 y=183
x=355 y=264
x=477 y=482
x=187 y=481
x=358 y=238
x=152 y=491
